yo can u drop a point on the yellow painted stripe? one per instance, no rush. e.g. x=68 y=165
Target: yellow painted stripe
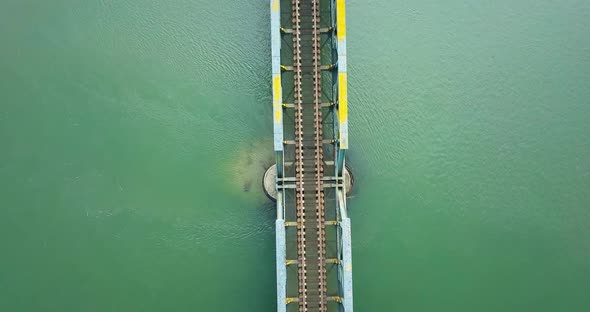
x=341 y=18
x=275 y=5
x=342 y=98
x=276 y=87
x=277 y=98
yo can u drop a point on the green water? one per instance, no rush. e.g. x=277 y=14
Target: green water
x=133 y=135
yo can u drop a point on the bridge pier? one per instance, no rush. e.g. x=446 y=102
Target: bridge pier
x=271 y=178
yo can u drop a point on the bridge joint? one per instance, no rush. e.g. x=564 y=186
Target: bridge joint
x=323 y=30
x=323 y=104
x=324 y=141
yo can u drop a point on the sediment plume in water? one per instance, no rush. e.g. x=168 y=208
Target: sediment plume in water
x=248 y=165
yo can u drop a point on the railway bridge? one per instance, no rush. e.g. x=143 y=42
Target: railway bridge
x=310 y=117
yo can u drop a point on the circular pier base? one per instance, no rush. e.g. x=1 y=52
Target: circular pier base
x=270 y=177
x=268 y=182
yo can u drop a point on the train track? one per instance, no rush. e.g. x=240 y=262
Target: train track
x=311 y=249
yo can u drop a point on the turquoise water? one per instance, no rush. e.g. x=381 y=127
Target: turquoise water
x=134 y=135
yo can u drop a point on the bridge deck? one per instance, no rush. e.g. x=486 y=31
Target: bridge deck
x=310 y=138
x=309 y=151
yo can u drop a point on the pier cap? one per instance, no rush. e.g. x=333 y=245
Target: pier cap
x=270 y=177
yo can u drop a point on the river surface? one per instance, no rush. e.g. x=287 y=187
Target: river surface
x=134 y=134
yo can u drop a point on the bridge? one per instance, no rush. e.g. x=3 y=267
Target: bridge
x=310 y=117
